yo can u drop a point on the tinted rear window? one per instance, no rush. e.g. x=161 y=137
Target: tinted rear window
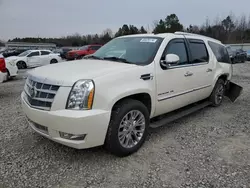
x=198 y=51
x=220 y=52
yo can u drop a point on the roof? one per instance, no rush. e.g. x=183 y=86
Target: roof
x=164 y=35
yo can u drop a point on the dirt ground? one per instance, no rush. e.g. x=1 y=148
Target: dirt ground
x=210 y=148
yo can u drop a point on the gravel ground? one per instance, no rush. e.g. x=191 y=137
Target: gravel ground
x=210 y=148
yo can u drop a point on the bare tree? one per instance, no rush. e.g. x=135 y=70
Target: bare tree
x=108 y=31
x=242 y=27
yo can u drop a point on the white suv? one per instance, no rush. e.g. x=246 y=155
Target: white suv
x=110 y=99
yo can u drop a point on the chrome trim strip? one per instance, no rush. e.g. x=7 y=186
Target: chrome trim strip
x=183 y=93
x=32 y=106
x=188 y=65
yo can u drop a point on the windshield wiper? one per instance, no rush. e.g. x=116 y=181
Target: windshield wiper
x=92 y=57
x=117 y=59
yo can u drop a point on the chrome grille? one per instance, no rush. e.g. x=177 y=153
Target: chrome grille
x=40 y=95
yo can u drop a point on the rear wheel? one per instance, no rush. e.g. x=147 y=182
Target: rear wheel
x=217 y=95
x=128 y=127
x=53 y=61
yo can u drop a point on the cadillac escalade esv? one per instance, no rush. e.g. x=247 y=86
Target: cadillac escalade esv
x=111 y=97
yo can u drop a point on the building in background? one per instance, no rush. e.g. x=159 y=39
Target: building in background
x=29 y=45
x=243 y=46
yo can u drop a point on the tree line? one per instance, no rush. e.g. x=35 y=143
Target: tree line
x=227 y=30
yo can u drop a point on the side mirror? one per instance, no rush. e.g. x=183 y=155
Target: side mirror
x=170 y=59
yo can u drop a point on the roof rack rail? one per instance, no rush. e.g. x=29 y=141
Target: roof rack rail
x=194 y=34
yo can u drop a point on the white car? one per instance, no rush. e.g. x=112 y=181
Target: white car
x=34 y=58
x=110 y=100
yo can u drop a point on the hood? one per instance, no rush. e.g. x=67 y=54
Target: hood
x=67 y=73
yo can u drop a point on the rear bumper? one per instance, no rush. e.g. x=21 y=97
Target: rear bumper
x=3 y=77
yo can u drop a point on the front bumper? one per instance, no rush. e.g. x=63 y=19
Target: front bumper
x=92 y=123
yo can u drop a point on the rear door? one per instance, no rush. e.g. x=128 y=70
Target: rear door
x=45 y=57
x=33 y=59
x=203 y=68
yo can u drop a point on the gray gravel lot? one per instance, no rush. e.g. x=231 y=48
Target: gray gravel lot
x=210 y=148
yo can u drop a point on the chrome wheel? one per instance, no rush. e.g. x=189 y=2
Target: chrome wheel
x=131 y=129
x=219 y=94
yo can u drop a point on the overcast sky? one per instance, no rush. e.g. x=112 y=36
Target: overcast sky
x=55 y=18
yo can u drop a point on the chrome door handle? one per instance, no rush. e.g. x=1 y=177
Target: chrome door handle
x=209 y=70
x=188 y=74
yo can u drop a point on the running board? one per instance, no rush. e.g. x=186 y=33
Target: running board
x=172 y=116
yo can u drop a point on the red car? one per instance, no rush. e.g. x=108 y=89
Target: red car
x=84 y=50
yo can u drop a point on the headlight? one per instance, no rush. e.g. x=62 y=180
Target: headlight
x=81 y=96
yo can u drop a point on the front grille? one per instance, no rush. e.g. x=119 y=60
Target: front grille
x=40 y=95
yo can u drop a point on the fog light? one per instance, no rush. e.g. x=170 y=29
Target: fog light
x=72 y=136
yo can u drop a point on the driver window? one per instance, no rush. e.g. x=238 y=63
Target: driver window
x=177 y=47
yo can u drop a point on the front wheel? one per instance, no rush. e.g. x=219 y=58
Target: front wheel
x=128 y=127
x=217 y=95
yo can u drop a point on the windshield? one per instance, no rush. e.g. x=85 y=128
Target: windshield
x=24 y=53
x=84 y=47
x=136 y=50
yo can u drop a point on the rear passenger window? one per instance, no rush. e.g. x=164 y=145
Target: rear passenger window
x=220 y=52
x=45 y=52
x=198 y=51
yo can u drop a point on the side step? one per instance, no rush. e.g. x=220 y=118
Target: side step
x=172 y=116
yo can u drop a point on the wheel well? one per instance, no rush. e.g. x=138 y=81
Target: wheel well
x=142 y=97
x=223 y=77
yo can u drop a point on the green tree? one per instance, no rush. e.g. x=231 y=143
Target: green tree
x=142 y=30
x=160 y=27
x=173 y=24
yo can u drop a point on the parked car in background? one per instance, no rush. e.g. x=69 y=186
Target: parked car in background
x=83 y=51
x=64 y=52
x=12 y=69
x=109 y=98
x=3 y=70
x=241 y=54
x=248 y=55
x=237 y=56
x=34 y=58
x=14 y=52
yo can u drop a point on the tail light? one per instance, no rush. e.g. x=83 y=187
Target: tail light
x=2 y=65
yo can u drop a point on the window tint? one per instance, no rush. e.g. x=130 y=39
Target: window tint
x=45 y=52
x=34 y=54
x=198 y=51
x=220 y=52
x=177 y=48
x=94 y=47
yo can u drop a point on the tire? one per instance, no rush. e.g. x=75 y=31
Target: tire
x=8 y=75
x=21 y=65
x=126 y=108
x=53 y=61
x=217 y=95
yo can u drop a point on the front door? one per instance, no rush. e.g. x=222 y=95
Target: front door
x=174 y=84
